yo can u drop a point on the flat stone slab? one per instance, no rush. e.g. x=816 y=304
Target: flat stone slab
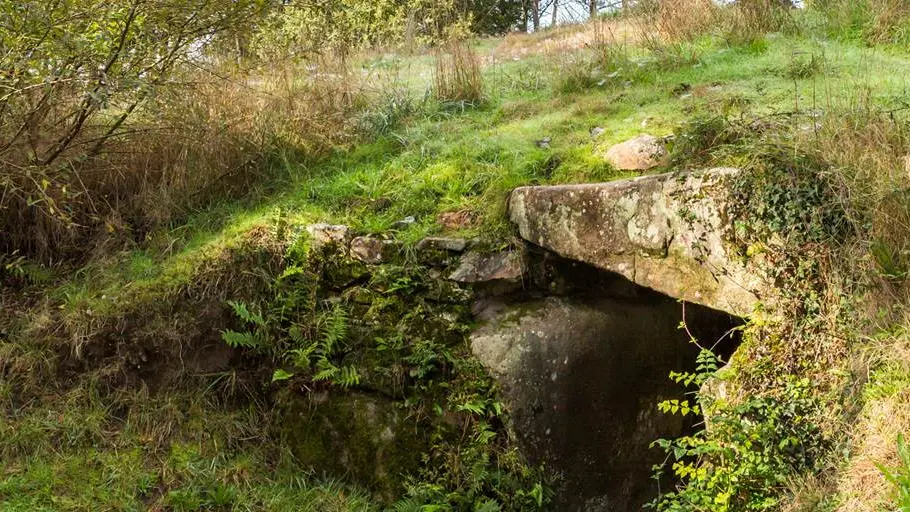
x=440 y=243
x=477 y=267
x=665 y=232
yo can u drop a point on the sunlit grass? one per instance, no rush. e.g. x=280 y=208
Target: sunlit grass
x=442 y=158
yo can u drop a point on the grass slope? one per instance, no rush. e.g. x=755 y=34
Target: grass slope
x=72 y=451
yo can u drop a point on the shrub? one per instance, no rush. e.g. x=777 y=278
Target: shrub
x=117 y=118
x=748 y=450
x=75 y=77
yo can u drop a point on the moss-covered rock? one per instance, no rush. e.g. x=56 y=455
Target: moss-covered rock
x=366 y=438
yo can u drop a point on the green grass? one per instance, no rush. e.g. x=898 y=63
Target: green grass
x=444 y=159
x=121 y=480
x=172 y=451
x=77 y=456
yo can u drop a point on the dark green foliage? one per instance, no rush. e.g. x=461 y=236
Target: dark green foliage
x=385 y=339
x=783 y=191
x=787 y=194
x=743 y=459
x=493 y=17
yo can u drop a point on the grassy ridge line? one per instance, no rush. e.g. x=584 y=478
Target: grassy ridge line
x=442 y=160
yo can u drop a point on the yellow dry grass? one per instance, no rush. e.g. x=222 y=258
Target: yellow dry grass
x=457 y=74
x=208 y=133
x=862 y=486
x=674 y=21
x=568 y=38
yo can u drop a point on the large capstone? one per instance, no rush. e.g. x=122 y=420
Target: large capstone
x=666 y=232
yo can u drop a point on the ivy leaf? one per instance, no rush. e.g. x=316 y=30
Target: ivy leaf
x=281 y=375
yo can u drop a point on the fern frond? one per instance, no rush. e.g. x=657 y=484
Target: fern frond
x=334 y=330
x=292 y=270
x=477 y=407
x=241 y=339
x=326 y=370
x=297 y=336
x=489 y=505
x=408 y=505
x=300 y=357
x=347 y=377
x=243 y=312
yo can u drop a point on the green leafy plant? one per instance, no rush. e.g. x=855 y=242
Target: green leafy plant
x=256 y=337
x=803 y=66
x=741 y=460
x=316 y=355
x=900 y=476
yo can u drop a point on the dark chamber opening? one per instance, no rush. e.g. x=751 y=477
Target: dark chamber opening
x=593 y=376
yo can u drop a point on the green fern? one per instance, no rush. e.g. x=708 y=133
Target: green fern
x=347 y=376
x=488 y=505
x=408 y=505
x=241 y=339
x=325 y=370
x=243 y=312
x=300 y=357
x=297 y=336
x=334 y=330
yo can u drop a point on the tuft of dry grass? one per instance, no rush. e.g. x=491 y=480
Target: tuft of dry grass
x=749 y=20
x=890 y=20
x=672 y=21
x=885 y=415
x=457 y=74
x=566 y=38
x=867 y=150
x=206 y=134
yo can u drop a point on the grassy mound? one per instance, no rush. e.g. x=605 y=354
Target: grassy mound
x=119 y=391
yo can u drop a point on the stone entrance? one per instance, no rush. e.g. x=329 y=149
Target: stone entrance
x=582 y=375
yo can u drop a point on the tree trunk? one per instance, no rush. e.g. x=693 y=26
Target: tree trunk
x=593 y=7
x=525 y=14
x=555 y=12
x=535 y=14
